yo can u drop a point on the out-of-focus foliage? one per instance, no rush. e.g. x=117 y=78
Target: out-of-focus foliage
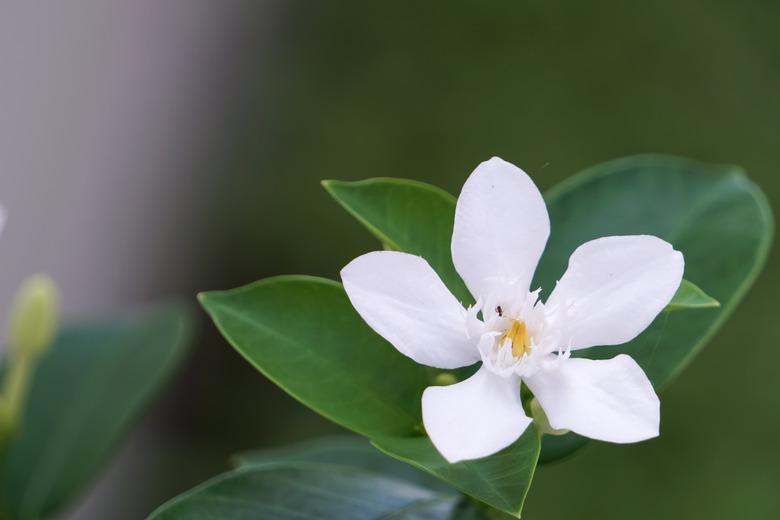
x=87 y=390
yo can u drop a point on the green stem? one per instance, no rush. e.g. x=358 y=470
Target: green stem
x=13 y=398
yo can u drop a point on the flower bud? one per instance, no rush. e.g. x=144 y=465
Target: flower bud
x=445 y=379
x=34 y=318
x=541 y=421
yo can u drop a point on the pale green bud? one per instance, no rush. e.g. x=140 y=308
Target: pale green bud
x=445 y=379
x=541 y=421
x=34 y=318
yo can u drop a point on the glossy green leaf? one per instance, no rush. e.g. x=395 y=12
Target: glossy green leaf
x=303 y=334
x=501 y=480
x=689 y=296
x=406 y=216
x=417 y=218
x=714 y=215
x=94 y=382
x=343 y=450
x=296 y=491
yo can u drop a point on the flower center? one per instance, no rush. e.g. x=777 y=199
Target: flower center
x=517 y=335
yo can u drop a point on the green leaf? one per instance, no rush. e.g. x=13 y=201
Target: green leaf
x=303 y=334
x=410 y=216
x=96 y=379
x=352 y=451
x=501 y=480
x=689 y=296
x=299 y=490
x=406 y=216
x=713 y=214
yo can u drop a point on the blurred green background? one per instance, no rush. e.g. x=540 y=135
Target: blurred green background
x=355 y=89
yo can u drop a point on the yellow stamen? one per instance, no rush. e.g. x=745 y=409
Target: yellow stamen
x=518 y=335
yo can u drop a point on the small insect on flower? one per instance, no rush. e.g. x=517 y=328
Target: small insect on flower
x=612 y=290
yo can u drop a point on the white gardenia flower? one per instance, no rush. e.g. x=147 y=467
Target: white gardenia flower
x=612 y=290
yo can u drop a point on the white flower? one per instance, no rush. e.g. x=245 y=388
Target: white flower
x=612 y=290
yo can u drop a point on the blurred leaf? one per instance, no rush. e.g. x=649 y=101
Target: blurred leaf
x=303 y=334
x=501 y=480
x=406 y=216
x=86 y=392
x=305 y=490
x=688 y=296
x=352 y=451
x=713 y=214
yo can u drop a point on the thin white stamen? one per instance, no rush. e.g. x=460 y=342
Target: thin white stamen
x=520 y=312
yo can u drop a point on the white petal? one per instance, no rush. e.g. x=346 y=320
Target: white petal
x=613 y=289
x=404 y=301
x=474 y=418
x=609 y=400
x=501 y=227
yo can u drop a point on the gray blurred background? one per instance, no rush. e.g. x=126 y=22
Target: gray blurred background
x=152 y=149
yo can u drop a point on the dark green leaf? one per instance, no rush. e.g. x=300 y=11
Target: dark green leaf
x=417 y=218
x=299 y=491
x=303 y=334
x=352 y=451
x=714 y=215
x=406 y=216
x=324 y=355
x=688 y=296
x=85 y=394
x=501 y=480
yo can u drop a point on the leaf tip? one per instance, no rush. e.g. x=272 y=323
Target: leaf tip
x=329 y=185
x=205 y=299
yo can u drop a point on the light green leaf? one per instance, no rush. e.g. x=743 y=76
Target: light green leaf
x=501 y=480
x=352 y=451
x=96 y=379
x=689 y=296
x=297 y=491
x=303 y=334
x=407 y=216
